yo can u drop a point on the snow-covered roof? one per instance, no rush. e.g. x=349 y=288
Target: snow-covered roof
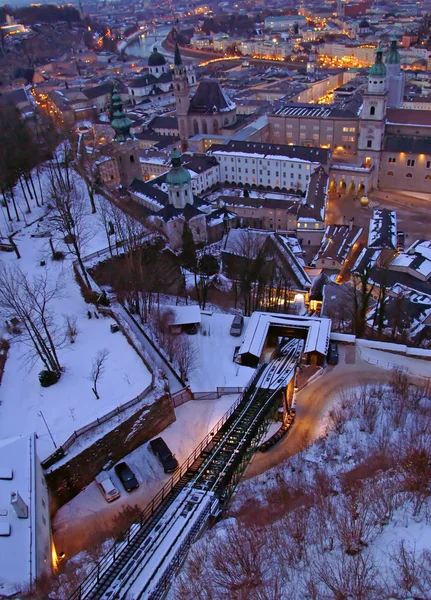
x=417 y=258
x=318 y=331
x=17 y=535
x=185 y=315
x=383 y=229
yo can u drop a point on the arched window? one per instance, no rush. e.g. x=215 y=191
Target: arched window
x=372 y=110
x=157 y=69
x=409 y=175
x=186 y=192
x=195 y=127
x=427 y=176
x=226 y=121
x=178 y=86
x=204 y=126
x=132 y=158
x=133 y=92
x=215 y=126
x=390 y=173
x=178 y=194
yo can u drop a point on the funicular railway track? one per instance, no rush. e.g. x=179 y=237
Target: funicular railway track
x=143 y=567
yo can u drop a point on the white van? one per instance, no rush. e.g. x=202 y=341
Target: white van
x=107 y=488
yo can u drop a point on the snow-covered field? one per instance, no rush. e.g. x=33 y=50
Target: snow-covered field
x=69 y=404
x=194 y=420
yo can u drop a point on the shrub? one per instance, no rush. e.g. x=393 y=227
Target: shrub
x=47 y=378
x=4 y=344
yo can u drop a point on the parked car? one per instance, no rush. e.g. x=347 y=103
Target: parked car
x=191 y=329
x=237 y=325
x=126 y=476
x=400 y=241
x=106 y=486
x=332 y=356
x=165 y=456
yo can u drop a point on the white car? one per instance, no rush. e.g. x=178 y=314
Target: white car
x=107 y=488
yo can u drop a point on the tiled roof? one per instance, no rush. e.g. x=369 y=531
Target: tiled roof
x=210 y=98
x=405 y=116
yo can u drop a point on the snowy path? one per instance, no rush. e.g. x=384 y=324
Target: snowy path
x=174 y=382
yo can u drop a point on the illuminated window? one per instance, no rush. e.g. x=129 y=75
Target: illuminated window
x=411 y=162
x=390 y=173
x=409 y=175
x=392 y=161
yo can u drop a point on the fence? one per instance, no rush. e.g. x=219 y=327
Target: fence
x=221 y=391
x=61 y=451
x=181 y=397
x=94 y=576
x=390 y=366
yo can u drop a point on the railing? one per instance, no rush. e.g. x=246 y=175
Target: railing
x=60 y=452
x=94 y=576
x=221 y=391
x=389 y=366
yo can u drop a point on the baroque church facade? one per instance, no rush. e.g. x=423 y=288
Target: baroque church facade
x=208 y=111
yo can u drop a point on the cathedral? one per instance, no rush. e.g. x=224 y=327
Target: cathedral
x=208 y=111
x=158 y=82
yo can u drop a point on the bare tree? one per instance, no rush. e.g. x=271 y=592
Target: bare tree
x=187 y=357
x=98 y=368
x=106 y=219
x=30 y=302
x=70 y=220
x=71 y=328
x=87 y=166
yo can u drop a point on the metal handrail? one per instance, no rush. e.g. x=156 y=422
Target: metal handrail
x=94 y=576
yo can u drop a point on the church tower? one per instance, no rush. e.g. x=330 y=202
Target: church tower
x=372 y=120
x=181 y=92
x=396 y=79
x=179 y=182
x=120 y=123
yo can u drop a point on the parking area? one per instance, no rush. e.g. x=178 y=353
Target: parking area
x=87 y=519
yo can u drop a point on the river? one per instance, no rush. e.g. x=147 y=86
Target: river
x=143 y=46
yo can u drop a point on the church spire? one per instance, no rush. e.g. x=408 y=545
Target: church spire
x=177 y=58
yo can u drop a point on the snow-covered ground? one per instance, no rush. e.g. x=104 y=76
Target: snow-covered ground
x=194 y=420
x=347 y=517
x=216 y=350
x=70 y=404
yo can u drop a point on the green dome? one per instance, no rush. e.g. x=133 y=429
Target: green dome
x=178 y=175
x=156 y=59
x=378 y=69
x=393 y=56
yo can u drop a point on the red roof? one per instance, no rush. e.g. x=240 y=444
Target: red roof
x=405 y=116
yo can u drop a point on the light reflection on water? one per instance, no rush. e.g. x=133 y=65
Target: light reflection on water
x=144 y=45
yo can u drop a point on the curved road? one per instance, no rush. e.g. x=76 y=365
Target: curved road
x=313 y=401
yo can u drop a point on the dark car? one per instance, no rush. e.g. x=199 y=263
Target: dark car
x=126 y=476
x=332 y=356
x=237 y=325
x=191 y=329
x=165 y=456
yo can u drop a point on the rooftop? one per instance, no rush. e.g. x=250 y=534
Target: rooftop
x=383 y=229
x=210 y=98
x=263 y=150
x=17 y=535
